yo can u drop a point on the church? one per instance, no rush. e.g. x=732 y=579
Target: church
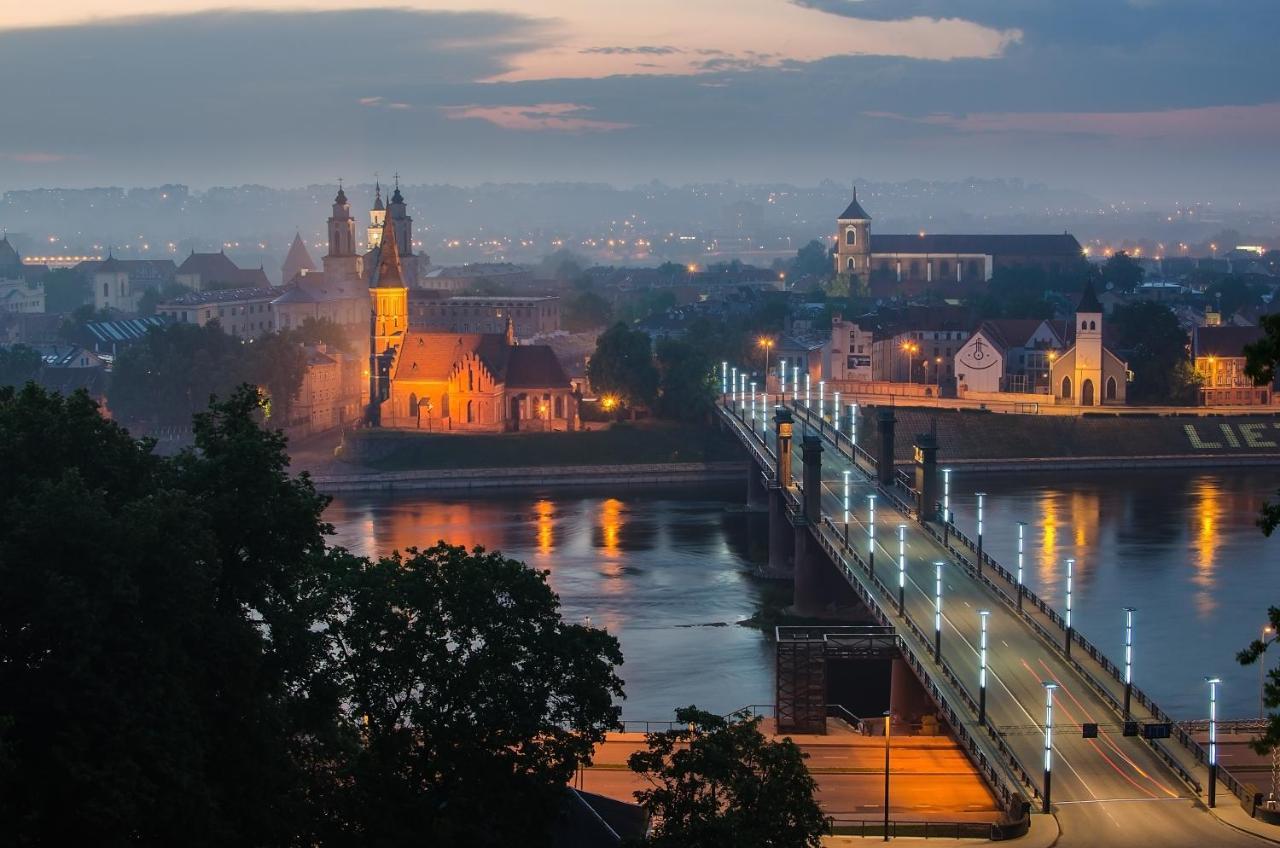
x=1087 y=373
x=454 y=382
x=889 y=264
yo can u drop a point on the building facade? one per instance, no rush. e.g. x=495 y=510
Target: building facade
x=1087 y=373
x=1009 y=355
x=246 y=313
x=1217 y=353
x=532 y=316
x=849 y=354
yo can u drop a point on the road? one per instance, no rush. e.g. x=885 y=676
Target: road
x=1108 y=790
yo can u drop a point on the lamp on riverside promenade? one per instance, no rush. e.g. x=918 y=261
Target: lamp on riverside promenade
x=982 y=666
x=887 y=717
x=835 y=417
x=807 y=395
x=1128 y=658
x=871 y=536
x=822 y=402
x=846 y=509
x=1022 y=527
x=795 y=384
x=1071 y=565
x=902 y=568
x=1213 y=739
x=735 y=386
x=937 y=611
x=782 y=383
x=853 y=428
x=1049 y=686
x=753 y=406
x=766 y=344
x=946 y=504
x=981 y=497
x=724 y=379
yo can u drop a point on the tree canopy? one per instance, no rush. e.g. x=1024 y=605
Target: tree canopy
x=623 y=365
x=184 y=661
x=586 y=310
x=1156 y=347
x=18 y=364
x=1122 y=272
x=718 y=783
x=64 y=290
x=687 y=379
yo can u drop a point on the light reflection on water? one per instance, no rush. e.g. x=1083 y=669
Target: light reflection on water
x=1181 y=545
x=658 y=570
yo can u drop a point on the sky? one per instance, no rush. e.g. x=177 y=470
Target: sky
x=1124 y=99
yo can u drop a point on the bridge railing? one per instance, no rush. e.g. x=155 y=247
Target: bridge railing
x=1014 y=801
x=1179 y=733
x=847 y=825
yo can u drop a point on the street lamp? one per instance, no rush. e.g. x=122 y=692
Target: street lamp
x=1128 y=658
x=1022 y=526
x=753 y=406
x=902 y=568
x=982 y=667
x=767 y=344
x=853 y=428
x=937 y=611
x=782 y=383
x=887 y=716
x=795 y=384
x=735 y=386
x=822 y=401
x=946 y=501
x=724 y=379
x=743 y=390
x=846 y=508
x=871 y=536
x=1071 y=564
x=981 y=497
x=835 y=417
x=1049 y=686
x=1213 y=738
x=806 y=392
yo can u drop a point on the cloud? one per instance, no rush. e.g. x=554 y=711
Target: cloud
x=555 y=117
x=643 y=50
x=1210 y=122
x=37 y=157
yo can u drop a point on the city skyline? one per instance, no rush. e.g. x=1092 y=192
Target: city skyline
x=1107 y=99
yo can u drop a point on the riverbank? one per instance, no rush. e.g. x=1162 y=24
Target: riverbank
x=531 y=477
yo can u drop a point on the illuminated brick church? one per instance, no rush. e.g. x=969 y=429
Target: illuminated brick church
x=447 y=381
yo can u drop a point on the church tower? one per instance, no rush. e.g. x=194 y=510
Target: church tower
x=853 y=240
x=377 y=216
x=397 y=211
x=341 y=262
x=1088 y=348
x=388 y=293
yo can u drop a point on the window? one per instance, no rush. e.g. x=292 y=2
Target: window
x=471 y=387
x=1111 y=388
x=1066 y=387
x=851 y=236
x=1092 y=325
x=915 y=269
x=1084 y=325
x=848 y=264
x=106 y=290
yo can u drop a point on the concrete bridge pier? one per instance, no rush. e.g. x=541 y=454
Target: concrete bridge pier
x=756 y=491
x=926 y=466
x=884 y=456
x=907 y=699
x=810 y=561
x=781 y=543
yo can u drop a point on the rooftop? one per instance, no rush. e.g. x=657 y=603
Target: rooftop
x=222 y=296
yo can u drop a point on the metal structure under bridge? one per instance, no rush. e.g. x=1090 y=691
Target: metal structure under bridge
x=844 y=523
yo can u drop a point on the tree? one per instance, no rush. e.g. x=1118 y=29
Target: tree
x=812 y=260
x=64 y=290
x=474 y=700
x=151 y=298
x=160 y=631
x=623 y=365
x=687 y=379
x=1232 y=292
x=719 y=783
x=1260 y=366
x=585 y=311
x=1122 y=272
x=18 y=364
x=277 y=364
x=323 y=331
x=1156 y=347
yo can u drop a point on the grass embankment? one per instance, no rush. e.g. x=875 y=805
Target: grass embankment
x=649 y=442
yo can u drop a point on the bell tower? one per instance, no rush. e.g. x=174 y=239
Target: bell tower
x=388 y=294
x=341 y=262
x=853 y=240
x=377 y=217
x=1088 y=365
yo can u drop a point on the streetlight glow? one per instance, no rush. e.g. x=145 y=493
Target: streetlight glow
x=1049 y=686
x=946 y=496
x=807 y=395
x=1071 y=564
x=1213 y=738
x=937 y=611
x=902 y=567
x=822 y=400
x=982 y=667
x=981 y=498
x=853 y=427
x=1022 y=526
x=871 y=534
x=724 y=378
x=1128 y=658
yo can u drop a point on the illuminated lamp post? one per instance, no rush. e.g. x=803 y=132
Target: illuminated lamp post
x=766 y=344
x=871 y=535
x=1268 y=636
x=807 y=394
x=724 y=379
x=937 y=611
x=887 y=716
x=902 y=569
x=782 y=383
x=735 y=386
x=846 y=509
x=1213 y=739
x=795 y=384
x=835 y=417
x=753 y=406
x=982 y=667
x=853 y=427
x=946 y=505
x=822 y=402
x=1049 y=686
x=1128 y=658
x=1022 y=527
x=981 y=497
x=1071 y=564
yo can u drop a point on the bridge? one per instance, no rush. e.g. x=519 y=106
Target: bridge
x=998 y=663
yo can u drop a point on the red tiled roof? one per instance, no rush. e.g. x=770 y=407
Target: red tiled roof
x=535 y=367
x=431 y=356
x=1223 y=341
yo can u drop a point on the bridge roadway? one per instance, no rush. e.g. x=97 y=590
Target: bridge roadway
x=1112 y=790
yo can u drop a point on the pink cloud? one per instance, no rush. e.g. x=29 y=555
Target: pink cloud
x=36 y=157
x=1202 y=122
x=538 y=117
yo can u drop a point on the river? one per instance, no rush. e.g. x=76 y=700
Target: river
x=668 y=572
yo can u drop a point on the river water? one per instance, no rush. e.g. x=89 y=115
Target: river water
x=668 y=572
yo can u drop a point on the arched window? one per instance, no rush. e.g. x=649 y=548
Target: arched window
x=413 y=405
x=470 y=412
x=1111 y=388
x=1084 y=325
x=851 y=236
x=471 y=384
x=1092 y=325
x=559 y=406
x=848 y=264
x=1066 y=387
x=1086 y=393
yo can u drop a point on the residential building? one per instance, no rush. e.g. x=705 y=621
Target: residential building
x=918 y=355
x=118 y=284
x=1217 y=354
x=850 y=351
x=201 y=271
x=330 y=394
x=246 y=313
x=532 y=316
x=21 y=291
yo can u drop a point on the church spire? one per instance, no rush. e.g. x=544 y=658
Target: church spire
x=377 y=196
x=388 y=273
